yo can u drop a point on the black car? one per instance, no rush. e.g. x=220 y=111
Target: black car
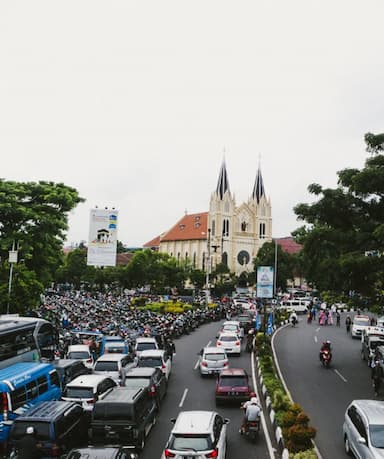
x=156 y=378
x=69 y=369
x=94 y=452
x=246 y=322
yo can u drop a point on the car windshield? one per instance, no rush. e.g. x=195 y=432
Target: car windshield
x=149 y=362
x=191 y=442
x=106 y=366
x=79 y=392
x=230 y=327
x=233 y=381
x=78 y=355
x=374 y=344
x=227 y=338
x=377 y=435
x=361 y=322
x=215 y=357
x=136 y=382
x=145 y=346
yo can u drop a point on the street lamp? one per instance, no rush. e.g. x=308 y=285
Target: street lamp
x=208 y=292
x=12 y=260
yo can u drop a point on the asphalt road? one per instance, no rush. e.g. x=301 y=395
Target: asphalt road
x=188 y=391
x=323 y=393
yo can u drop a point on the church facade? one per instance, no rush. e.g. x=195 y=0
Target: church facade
x=227 y=233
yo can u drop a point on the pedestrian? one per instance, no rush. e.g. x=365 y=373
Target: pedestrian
x=348 y=323
x=337 y=318
x=377 y=376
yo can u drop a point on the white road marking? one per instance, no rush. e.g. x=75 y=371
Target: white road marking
x=183 y=398
x=315 y=338
x=317 y=329
x=340 y=375
x=198 y=360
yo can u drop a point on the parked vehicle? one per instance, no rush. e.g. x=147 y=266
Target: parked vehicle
x=156 y=358
x=145 y=343
x=203 y=433
x=69 y=369
x=124 y=417
x=58 y=425
x=212 y=360
x=94 y=452
x=370 y=340
x=232 y=385
x=359 y=323
x=363 y=429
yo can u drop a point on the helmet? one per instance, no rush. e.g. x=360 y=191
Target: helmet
x=30 y=430
x=253 y=400
x=328 y=342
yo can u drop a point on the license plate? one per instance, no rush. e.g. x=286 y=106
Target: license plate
x=234 y=393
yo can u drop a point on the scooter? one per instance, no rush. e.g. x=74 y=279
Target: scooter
x=326 y=358
x=252 y=429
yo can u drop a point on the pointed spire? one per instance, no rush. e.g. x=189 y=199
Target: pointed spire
x=258 y=189
x=222 y=184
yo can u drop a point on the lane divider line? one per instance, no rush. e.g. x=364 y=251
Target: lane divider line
x=315 y=338
x=183 y=398
x=317 y=329
x=340 y=375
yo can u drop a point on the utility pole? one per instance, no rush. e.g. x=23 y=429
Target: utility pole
x=12 y=259
x=208 y=267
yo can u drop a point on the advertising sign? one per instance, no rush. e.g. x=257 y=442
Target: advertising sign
x=102 y=243
x=265 y=281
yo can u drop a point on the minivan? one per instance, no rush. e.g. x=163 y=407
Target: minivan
x=125 y=417
x=114 y=366
x=59 y=426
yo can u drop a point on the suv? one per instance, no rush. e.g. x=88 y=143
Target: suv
x=232 y=385
x=201 y=432
x=212 y=360
x=70 y=369
x=363 y=429
x=154 y=376
x=114 y=366
x=124 y=417
x=88 y=389
x=80 y=352
x=58 y=426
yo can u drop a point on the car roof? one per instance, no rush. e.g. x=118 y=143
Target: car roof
x=78 y=347
x=141 y=371
x=111 y=357
x=87 y=380
x=96 y=452
x=152 y=353
x=64 y=363
x=231 y=322
x=361 y=317
x=146 y=339
x=373 y=410
x=233 y=372
x=47 y=410
x=193 y=422
x=214 y=350
x=228 y=333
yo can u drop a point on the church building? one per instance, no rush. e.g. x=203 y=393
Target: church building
x=227 y=233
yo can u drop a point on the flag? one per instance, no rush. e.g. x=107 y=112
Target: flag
x=270 y=324
x=257 y=321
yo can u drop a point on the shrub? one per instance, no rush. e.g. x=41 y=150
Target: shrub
x=308 y=454
x=280 y=400
x=299 y=438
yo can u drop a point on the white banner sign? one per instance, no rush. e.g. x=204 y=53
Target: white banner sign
x=265 y=281
x=102 y=243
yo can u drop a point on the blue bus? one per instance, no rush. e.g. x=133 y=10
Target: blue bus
x=26 y=339
x=22 y=385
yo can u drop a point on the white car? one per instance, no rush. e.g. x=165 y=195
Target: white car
x=212 y=360
x=144 y=343
x=230 y=342
x=155 y=358
x=359 y=323
x=197 y=435
x=80 y=352
x=230 y=326
x=114 y=366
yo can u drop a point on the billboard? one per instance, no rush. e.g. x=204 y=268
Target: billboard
x=102 y=242
x=265 y=277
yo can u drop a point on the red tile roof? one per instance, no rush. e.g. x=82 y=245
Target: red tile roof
x=288 y=244
x=154 y=243
x=189 y=227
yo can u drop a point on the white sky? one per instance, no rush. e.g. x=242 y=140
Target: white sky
x=133 y=102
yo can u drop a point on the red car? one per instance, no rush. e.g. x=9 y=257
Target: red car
x=232 y=385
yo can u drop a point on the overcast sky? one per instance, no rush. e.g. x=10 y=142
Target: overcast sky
x=134 y=102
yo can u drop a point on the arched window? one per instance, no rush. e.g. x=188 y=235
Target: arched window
x=186 y=258
x=203 y=263
x=262 y=230
x=224 y=259
x=213 y=227
x=178 y=257
x=225 y=227
x=194 y=260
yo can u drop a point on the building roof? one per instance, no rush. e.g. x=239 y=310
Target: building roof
x=153 y=243
x=190 y=227
x=288 y=244
x=222 y=183
x=258 y=189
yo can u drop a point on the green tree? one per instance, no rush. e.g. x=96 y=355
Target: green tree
x=34 y=217
x=344 y=225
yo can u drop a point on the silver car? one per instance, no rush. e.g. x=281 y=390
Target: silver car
x=212 y=360
x=197 y=434
x=363 y=429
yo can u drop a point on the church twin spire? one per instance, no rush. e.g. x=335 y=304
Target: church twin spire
x=223 y=184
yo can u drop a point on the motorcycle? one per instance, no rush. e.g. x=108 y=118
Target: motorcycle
x=252 y=429
x=294 y=321
x=325 y=357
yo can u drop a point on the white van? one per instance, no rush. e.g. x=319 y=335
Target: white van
x=299 y=306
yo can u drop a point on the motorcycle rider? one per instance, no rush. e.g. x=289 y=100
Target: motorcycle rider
x=244 y=406
x=293 y=318
x=28 y=446
x=376 y=375
x=250 y=338
x=326 y=346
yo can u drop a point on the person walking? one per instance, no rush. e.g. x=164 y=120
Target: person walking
x=348 y=323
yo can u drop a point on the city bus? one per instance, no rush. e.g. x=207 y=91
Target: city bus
x=25 y=339
x=22 y=385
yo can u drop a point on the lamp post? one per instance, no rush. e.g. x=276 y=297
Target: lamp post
x=208 y=291
x=12 y=260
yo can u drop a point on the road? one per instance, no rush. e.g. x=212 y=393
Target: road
x=323 y=393
x=188 y=391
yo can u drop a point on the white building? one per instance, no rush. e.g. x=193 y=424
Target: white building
x=226 y=234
